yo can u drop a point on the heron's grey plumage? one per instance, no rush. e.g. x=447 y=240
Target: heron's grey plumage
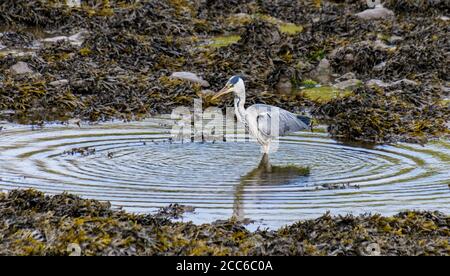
x=273 y=121
x=264 y=122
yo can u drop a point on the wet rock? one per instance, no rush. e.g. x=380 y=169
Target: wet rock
x=188 y=76
x=349 y=58
x=379 y=66
x=402 y=82
x=76 y=39
x=346 y=76
x=405 y=82
x=395 y=39
x=379 y=12
x=21 y=68
x=59 y=83
x=347 y=84
x=73 y=3
x=376 y=82
x=284 y=85
x=323 y=72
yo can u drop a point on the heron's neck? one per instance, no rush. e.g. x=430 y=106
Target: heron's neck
x=239 y=107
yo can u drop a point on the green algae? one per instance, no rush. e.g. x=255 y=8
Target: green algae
x=284 y=27
x=290 y=28
x=290 y=169
x=324 y=94
x=309 y=83
x=223 y=41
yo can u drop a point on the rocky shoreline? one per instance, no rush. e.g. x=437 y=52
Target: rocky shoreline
x=378 y=75
x=32 y=223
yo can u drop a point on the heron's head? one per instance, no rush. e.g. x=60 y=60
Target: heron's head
x=235 y=84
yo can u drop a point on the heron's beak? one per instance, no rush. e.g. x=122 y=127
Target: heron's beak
x=222 y=92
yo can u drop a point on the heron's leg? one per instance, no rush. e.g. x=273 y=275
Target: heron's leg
x=264 y=164
x=266 y=148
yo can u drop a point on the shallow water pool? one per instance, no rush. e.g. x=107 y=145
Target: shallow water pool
x=137 y=167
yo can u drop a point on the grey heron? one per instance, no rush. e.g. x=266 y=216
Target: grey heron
x=264 y=122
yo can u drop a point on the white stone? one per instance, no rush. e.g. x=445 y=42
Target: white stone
x=346 y=76
x=379 y=66
x=76 y=39
x=189 y=77
x=395 y=39
x=375 y=82
x=383 y=84
x=379 y=12
x=21 y=68
x=73 y=3
x=323 y=72
x=348 y=84
x=59 y=83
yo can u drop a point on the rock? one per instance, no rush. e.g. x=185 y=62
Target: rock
x=59 y=83
x=76 y=39
x=348 y=84
x=379 y=66
x=347 y=76
x=379 y=12
x=21 y=68
x=395 y=39
x=404 y=82
x=376 y=82
x=242 y=15
x=73 y=3
x=323 y=72
x=189 y=77
x=304 y=66
x=284 y=85
x=380 y=83
x=349 y=58
x=444 y=18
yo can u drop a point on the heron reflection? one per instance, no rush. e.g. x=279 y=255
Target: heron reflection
x=265 y=174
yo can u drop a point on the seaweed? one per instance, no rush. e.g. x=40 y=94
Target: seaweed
x=32 y=223
x=130 y=48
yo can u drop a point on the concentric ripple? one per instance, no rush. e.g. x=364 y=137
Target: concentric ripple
x=137 y=167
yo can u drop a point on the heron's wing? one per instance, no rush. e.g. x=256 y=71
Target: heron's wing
x=271 y=119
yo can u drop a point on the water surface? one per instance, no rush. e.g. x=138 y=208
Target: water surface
x=137 y=167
